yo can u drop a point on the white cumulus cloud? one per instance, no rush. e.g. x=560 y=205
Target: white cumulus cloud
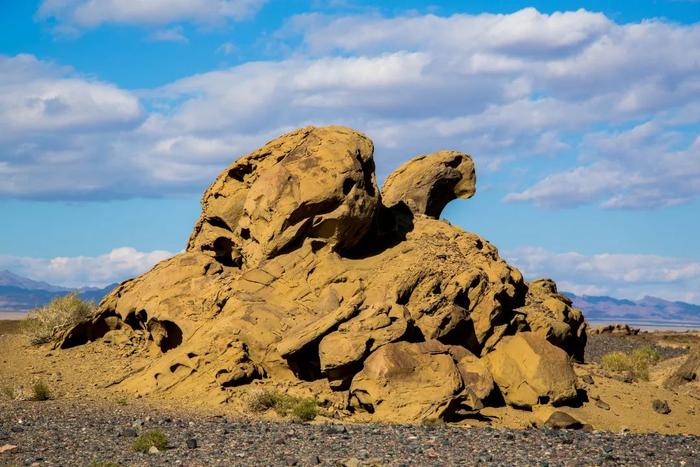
x=78 y=271
x=618 y=106
x=620 y=275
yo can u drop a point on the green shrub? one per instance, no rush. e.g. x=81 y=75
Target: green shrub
x=47 y=323
x=40 y=391
x=305 y=410
x=616 y=361
x=149 y=439
x=284 y=405
x=647 y=354
x=263 y=400
x=637 y=362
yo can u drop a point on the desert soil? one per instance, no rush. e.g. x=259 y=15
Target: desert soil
x=69 y=432
x=87 y=421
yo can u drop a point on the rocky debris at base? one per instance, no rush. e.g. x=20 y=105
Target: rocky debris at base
x=619 y=328
x=559 y=420
x=301 y=271
x=54 y=434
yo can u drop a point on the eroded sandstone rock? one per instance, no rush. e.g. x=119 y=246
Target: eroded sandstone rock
x=529 y=371
x=427 y=183
x=299 y=273
x=688 y=372
x=552 y=315
x=312 y=183
x=413 y=381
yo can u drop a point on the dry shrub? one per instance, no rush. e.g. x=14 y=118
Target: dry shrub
x=283 y=404
x=40 y=391
x=11 y=393
x=151 y=438
x=637 y=362
x=47 y=323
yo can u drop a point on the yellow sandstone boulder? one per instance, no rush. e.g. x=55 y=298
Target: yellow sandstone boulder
x=529 y=371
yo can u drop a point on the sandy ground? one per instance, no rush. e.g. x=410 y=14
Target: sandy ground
x=88 y=373
x=89 y=422
x=12 y=315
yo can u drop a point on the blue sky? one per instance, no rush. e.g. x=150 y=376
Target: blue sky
x=582 y=118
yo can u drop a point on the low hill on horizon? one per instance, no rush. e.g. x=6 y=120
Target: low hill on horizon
x=18 y=293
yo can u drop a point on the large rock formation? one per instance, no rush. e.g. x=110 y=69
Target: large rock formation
x=300 y=270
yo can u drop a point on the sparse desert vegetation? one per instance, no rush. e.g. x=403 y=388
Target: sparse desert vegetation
x=40 y=391
x=300 y=409
x=154 y=438
x=10 y=393
x=637 y=362
x=44 y=324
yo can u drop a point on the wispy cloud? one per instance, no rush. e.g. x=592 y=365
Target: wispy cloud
x=92 y=13
x=227 y=48
x=174 y=34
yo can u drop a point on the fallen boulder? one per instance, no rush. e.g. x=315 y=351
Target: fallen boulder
x=529 y=371
x=415 y=381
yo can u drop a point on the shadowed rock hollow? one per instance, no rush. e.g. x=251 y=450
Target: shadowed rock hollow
x=301 y=272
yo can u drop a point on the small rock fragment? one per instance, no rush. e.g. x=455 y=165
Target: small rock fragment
x=191 y=443
x=625 y=377
x=661 y=406
x=7 y=448
x=562 y=420
x=129 y=433
x=602 y=405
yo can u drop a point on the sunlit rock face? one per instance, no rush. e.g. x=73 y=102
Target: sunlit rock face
x=301 y=270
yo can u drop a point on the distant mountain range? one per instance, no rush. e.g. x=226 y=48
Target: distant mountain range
x=19 y=293
x=648 y=310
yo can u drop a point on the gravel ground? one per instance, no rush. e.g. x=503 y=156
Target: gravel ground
x=73 y=433
x=600 y=344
